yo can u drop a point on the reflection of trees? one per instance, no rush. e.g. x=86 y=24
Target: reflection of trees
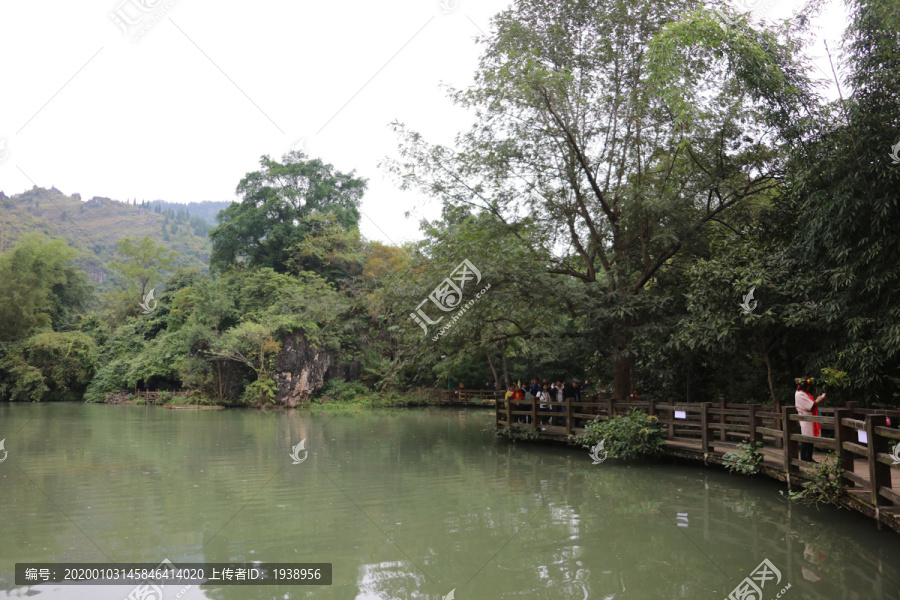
x=407 y=504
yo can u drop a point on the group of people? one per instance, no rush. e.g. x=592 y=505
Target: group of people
x=544 y=392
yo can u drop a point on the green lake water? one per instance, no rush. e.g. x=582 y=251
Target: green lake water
x=406 y=504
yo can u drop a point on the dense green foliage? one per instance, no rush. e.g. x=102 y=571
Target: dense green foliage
x=630 y=436
x=825 y=485
x=515 y=432
x=283 y=207
x=633 y=173
x=746 y=460
x=41 y=288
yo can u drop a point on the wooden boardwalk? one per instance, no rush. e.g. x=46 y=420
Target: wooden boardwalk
x=470 y=397
x=866 y=446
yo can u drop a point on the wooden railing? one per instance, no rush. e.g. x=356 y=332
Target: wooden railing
x=470 y=396
x=153 y=397
x=861 y=438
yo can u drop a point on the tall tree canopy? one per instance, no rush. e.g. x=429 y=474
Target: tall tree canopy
x=40 y=286
x=141 y=262
x=575 y=140
x=846 y=189
x=278 y=209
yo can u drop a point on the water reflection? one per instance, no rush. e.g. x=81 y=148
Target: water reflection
x=406 y=505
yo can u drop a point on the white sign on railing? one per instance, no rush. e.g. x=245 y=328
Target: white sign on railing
x=862 y=436
x=681 y=414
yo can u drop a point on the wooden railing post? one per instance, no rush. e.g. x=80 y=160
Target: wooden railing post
x=534 y=415
x=879 y=473
x=609 y=407
x=790 y=446
x=651 y=408
x=779 y=443
x=569 y=416
x=705 y=437
x=754 y=436
x=671 y=417
x=509 y=412
x=842 y=434
x=722 y=420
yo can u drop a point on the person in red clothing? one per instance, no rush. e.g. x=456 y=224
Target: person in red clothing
x=807 y=405
x=518 y=399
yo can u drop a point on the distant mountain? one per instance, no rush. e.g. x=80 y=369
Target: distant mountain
x=95 y=226
x=206 y=210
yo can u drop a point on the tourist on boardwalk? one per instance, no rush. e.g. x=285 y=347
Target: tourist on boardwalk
x=568 y=391
x=557 y=395
x=528 y=402
x=544 y=398
x=576 y=389
x=807 y=406
x=518 y=398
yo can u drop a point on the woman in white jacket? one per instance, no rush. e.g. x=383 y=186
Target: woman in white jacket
x=807 y=406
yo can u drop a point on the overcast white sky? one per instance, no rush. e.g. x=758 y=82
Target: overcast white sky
x=186 y=110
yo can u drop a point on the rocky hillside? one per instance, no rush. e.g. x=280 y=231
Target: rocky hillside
x=96 y=225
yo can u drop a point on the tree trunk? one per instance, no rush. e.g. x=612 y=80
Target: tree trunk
x=765 y=352
x=687 y=388
x=493 y=370
x=622 y=367
x=505 y=370
x=622 y=370
x=219 y=367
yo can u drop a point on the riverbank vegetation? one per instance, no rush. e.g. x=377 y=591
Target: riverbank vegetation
x=635 y=435
x=656 y=199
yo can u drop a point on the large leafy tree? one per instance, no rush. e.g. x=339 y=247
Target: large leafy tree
x=282 y=204
x=575 y=138
x=499 y=331
x=40 y=287
x=776 y=318
x=48 y=366
x=140 y=262
x=846 y=189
